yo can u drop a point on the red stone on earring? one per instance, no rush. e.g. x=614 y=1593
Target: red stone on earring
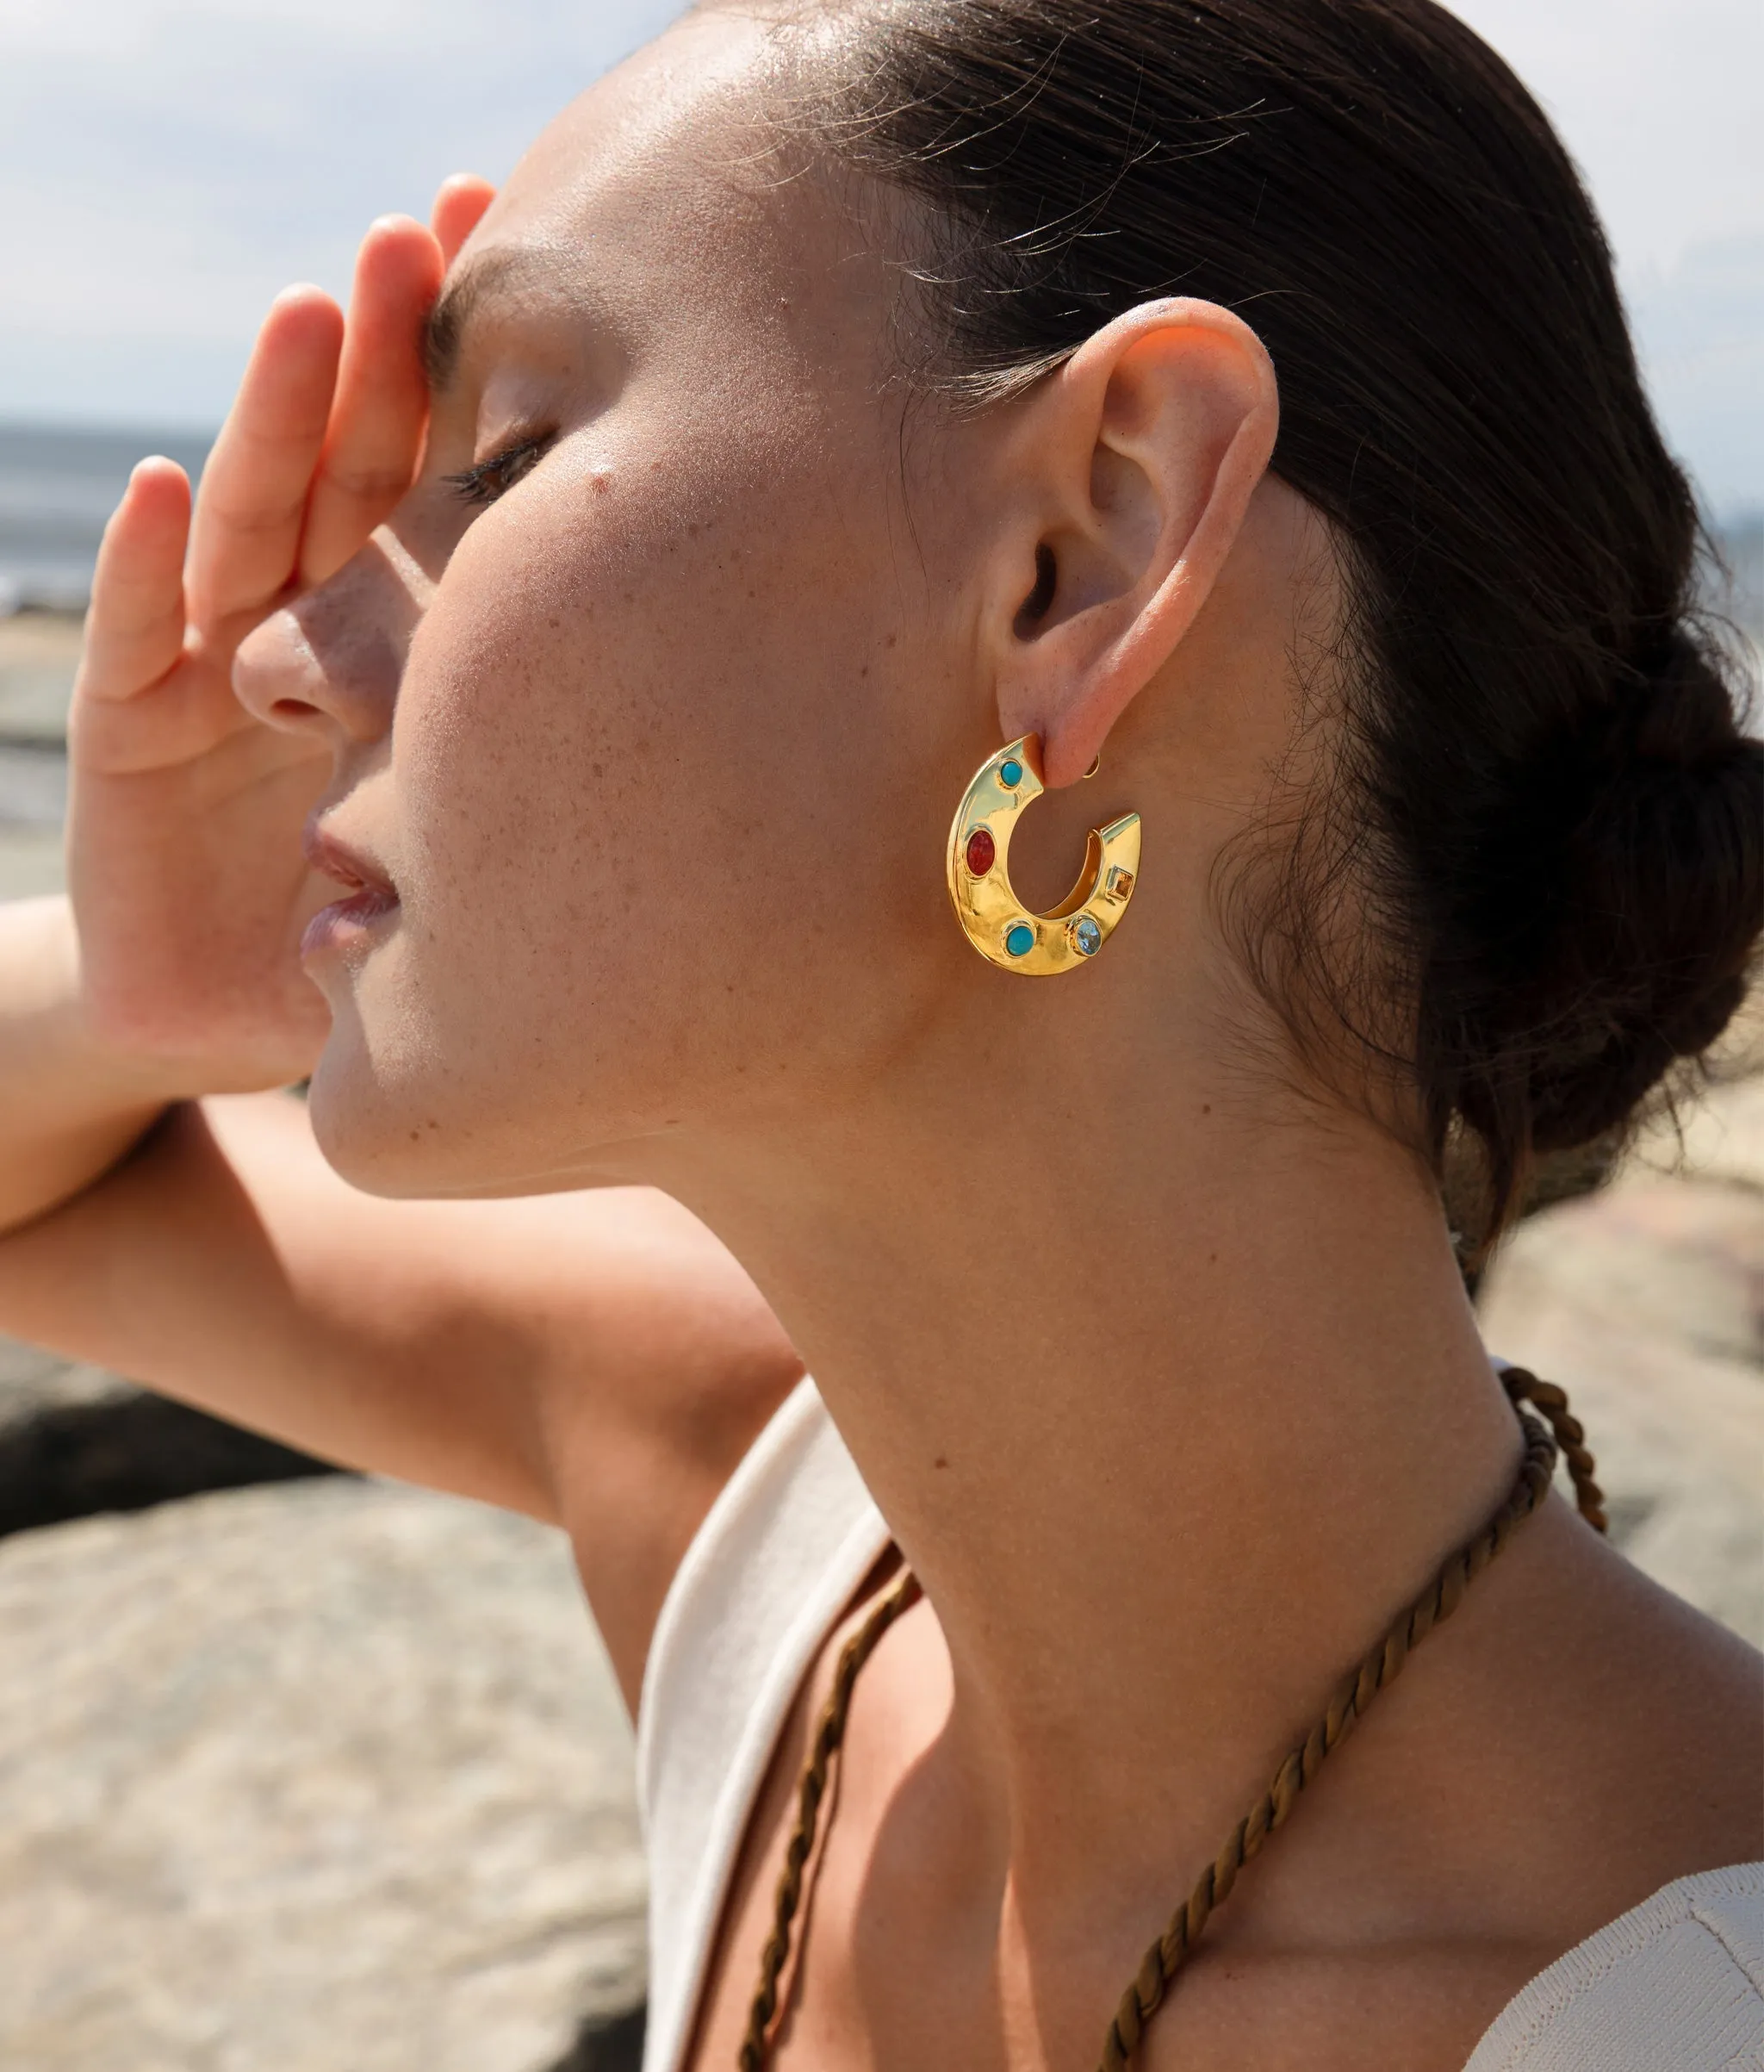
x=983 y=852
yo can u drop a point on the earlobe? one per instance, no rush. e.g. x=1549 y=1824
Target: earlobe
x=1141 y=454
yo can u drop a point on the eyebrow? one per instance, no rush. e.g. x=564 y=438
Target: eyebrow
x=504 y=270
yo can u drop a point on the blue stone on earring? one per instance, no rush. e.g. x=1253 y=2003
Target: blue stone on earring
x=1019 y=939
x=1087 y=937
x=1011 y=774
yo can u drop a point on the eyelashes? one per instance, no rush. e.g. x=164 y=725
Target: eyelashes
x=486 y=480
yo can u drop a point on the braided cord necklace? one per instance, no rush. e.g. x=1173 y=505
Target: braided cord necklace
x=1382 y=1667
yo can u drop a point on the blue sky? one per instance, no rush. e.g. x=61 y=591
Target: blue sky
x=166 y=165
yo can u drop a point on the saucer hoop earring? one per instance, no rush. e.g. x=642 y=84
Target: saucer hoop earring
x=992 y=918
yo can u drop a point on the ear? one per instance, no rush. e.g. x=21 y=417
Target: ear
x=1128 y=472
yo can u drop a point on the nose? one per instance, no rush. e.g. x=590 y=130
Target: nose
x=330 y=662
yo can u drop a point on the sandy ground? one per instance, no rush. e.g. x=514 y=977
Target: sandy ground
x=39 y=653
x=38 y=659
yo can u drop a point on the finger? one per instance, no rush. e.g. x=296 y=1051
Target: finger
x=245 y=541
x=375 y=441
x=134 y=625
x=459 y=207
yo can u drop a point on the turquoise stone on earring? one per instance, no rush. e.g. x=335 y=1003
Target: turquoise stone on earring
x=1011 y=774
x=1086 y=936
x=1020 y=940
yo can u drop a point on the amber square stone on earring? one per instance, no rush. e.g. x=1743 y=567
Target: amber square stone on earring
x=1121 y=882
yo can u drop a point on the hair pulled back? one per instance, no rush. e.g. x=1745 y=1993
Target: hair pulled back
x=1554 y=820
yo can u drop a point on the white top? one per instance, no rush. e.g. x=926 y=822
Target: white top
x=1676 y=1986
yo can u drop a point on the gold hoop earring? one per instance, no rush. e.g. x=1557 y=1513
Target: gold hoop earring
x=992 y=918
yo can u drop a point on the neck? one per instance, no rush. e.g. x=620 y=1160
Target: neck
x=1162 y=1398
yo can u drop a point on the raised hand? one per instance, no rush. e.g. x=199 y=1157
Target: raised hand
x=188 y=886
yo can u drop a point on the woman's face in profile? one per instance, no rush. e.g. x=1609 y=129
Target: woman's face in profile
x=644 y=695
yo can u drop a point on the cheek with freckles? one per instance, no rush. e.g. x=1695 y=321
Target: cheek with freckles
x=664 y=846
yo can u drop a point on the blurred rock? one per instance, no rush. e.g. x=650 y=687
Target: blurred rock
x=1720 y=1138
x=613 y=2045
x=74 y=1441
x=326 y=1778
x=1646 y=1303
x=33 y=1381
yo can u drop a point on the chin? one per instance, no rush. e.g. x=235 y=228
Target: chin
x=392 y=1120
x=388 y=1113
x=386 y=1131
x=360 y=1137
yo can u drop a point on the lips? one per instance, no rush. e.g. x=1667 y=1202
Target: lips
x=369 y=896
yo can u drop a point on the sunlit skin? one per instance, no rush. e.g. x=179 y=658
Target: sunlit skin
x=630 y=763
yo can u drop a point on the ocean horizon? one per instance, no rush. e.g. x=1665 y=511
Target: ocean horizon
x=59 y=483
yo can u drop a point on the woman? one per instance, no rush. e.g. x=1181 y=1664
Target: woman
x=838 y=403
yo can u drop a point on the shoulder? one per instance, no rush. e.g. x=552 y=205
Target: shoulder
x=788 y=1544
x=788 y=1540
x=657 y=1367
x=1636 y=1753
x=1677 y=1982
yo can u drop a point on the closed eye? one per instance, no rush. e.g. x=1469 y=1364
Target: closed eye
x=486 y=480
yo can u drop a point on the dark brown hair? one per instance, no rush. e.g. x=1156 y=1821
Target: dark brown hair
x=1554 y=819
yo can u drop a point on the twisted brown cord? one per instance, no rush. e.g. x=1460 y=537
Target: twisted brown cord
x=1523 y=1386
x=1381 y=1668
x=829 y=1736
